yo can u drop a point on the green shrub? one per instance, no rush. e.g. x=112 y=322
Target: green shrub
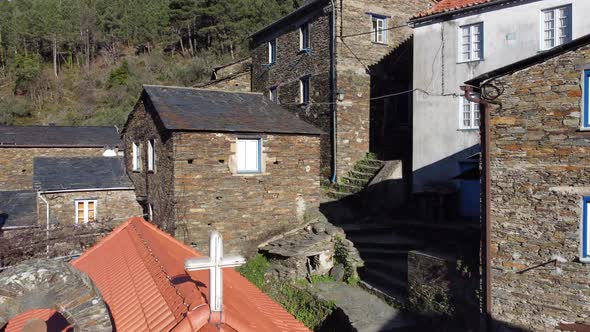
x=25 y=68
x=119 y=76
x=306 y=308
x=255 y=269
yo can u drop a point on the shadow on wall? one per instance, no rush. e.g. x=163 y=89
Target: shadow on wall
x=440 y=173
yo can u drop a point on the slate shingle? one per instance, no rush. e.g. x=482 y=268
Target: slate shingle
x=18 y=208
x=59 y=136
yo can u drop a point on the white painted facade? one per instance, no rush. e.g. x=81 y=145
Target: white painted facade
x=512 y=31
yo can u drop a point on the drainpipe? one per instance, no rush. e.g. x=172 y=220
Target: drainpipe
x=47 y=218
x=334 y=92
x=471 y=95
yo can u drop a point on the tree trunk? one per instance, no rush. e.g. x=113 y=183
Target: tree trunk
x=55 y=55
x=2 y=56
x=190 y=39
x=181 y=43
x=231 y=50
x=87 y=41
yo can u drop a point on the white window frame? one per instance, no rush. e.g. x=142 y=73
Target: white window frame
x=273 y=94
x=557 y=28
x=136 y=155
x=304 y=83
x=474 y=114
x=272 y=51
x=474 y=55
x=150 y=212
x=85 y=201
x=258 y=168
x=303 y=37
x=151 y=143
x=378 y=35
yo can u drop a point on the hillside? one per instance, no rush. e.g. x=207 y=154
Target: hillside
x=82 y=62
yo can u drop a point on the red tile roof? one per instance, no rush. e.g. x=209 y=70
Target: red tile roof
x=444 y=6
x=55 y=322
x=139 y=271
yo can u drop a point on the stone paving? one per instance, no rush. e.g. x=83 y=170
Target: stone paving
x=366 y=312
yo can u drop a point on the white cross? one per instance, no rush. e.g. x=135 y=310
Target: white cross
x=215 y=262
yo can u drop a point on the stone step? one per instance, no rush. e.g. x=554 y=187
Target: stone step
x=371 y=162
x=355 y=181
x=337 y=194
x=385 y=283
x=384 y=241
x=397 y=269
x=380 y=253
x=349 y=188
x=363 y=168
x=361 y=175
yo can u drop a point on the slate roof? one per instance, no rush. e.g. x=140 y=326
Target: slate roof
x=18 y=208
x=450 y=6
x=69 y=173
x=139 y=271
x=59 y=136
x=308 y=7
x=194 y=109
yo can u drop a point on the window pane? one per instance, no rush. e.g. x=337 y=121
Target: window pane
x=80 y=212
x=587 y=228
x=91 y=211
x=241 y=155
x=252 y=155
x=475 y=114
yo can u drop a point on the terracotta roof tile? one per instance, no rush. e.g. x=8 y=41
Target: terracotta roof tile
x=450 y=5
x=55 y=322
x=139 y=271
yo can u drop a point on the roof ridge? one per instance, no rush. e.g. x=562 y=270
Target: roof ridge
x=158 y=273
x=202 y=89
x=102 y=241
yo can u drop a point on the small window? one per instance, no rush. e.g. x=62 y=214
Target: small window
x=304 y=90
x=273 y=95
x=471 y=42
x=150 y=212
x=556 y=26
x=304 y=37
x=272 y=51
x=585 y=245
x=586 y=99
x=378 y=29
x=152 y=155
x=136 y=157
x=248 y=155
x=469 y=114
x=85 y=211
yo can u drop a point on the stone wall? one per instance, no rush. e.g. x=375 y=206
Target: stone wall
x=155 y=188
x=290 y=66
x=16 y=164
x=246 y=209
x=115 y=205
x=355 y=53
x=239 y=82
x=540 y=172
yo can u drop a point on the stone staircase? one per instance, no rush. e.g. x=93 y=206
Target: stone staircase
x=355 y=180
x=385 y=254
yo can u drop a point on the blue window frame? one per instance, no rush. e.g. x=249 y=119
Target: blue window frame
x=585 y=252
x=586 y=97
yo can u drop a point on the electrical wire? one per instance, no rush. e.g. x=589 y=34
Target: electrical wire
x=370 y=32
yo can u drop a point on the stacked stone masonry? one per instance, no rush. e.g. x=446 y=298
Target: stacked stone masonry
x=540 y=170
x=354 y=54
x=246 y=208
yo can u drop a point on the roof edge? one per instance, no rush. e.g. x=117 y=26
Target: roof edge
x=530 y=61
x=287 y=17
x=201 y=89
x=422 y=19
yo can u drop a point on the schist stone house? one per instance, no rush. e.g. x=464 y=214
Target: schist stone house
x=537 y=199
x=235 y=162
x=457 y=40
x=316 y=62
x=71 y=174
